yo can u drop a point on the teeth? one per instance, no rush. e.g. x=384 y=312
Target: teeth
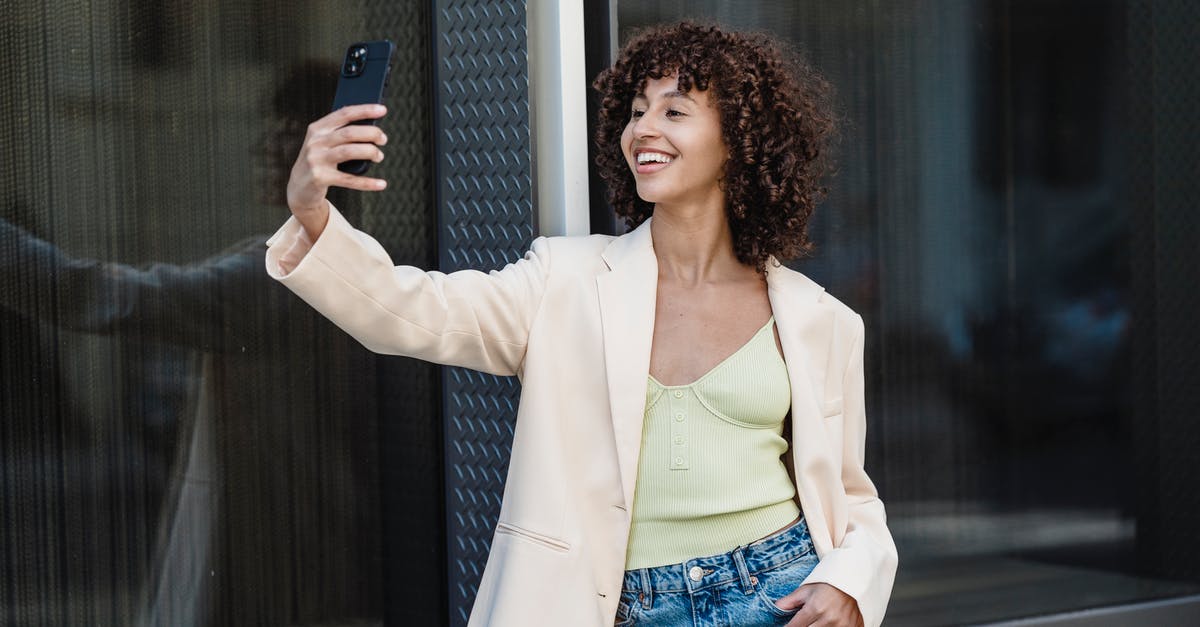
x=658 y=157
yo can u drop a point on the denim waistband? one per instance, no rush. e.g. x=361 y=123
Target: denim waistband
x=773 y=551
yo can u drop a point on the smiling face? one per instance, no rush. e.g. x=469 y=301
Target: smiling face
x=673 y=145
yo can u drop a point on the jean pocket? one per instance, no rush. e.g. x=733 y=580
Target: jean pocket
x=775 y=610
x=775 y=583
x=626 y=609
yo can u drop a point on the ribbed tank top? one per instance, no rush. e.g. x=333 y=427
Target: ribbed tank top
x=710 y=475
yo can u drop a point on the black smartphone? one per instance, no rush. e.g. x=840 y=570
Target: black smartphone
x=364 y=74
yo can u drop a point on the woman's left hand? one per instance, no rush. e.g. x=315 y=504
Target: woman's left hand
x=821 y=604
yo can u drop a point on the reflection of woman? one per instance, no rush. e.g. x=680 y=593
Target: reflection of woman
x=665 y=372
x=182 y=416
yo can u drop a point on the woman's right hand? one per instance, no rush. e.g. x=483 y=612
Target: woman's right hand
x=330 y=141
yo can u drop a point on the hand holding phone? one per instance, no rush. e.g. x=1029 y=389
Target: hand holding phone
x=336 y=137
x=338 y=147
x=364 y=76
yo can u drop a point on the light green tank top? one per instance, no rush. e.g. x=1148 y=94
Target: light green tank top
x=710 y=475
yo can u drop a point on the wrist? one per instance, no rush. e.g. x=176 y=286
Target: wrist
x=314 y=219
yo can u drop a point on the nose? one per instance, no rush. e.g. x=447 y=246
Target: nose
x=644 y=127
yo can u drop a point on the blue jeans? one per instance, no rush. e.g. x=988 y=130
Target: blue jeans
x=736 y=588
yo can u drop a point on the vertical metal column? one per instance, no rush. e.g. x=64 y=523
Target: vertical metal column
x=486 y=219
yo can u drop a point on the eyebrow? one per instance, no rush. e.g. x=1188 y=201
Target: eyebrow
x=675 y=93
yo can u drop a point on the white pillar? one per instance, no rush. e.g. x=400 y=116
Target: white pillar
x=558 y=116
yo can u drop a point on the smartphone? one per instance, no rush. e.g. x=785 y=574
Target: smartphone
x=364 y=74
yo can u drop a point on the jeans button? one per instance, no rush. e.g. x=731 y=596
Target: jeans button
x=696 y=573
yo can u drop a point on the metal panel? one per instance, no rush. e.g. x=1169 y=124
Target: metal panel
x=485 y=213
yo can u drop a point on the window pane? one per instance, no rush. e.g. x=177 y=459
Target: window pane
x=998 y=188
x=184 y=442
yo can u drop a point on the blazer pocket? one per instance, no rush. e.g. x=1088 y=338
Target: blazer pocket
x=833 y=407
x=543 y=541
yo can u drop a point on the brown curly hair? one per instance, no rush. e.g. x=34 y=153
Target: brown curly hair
x=776 y=120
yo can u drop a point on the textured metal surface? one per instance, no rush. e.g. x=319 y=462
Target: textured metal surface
x=486 y=220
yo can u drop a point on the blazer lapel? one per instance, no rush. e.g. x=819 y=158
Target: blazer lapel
x=798 y=314
x=627 y=298
x=803 y=324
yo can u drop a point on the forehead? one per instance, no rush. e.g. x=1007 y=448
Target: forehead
x=666 y=87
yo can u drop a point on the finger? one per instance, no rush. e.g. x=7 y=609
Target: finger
x=346 y=115
x=808 y=615
x=789 y=602
x=799 y=620
x=349 y=152
x=360 y=183
x=795 y=599
x=359 y=134
x=318 y=168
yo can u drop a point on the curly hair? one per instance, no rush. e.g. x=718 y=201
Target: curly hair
x=776 y=120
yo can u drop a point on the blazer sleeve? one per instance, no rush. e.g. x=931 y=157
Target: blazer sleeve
x=472 y=319
x=864 y=564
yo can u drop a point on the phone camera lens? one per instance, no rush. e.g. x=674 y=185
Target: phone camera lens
x=356 y=58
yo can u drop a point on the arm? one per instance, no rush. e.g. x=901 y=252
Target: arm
x=467 y=318
x=198 y=305
x=472 y=319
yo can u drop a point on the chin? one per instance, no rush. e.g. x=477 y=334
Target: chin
x=649 y=194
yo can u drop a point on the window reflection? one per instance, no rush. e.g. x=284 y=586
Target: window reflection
x=982 y=223
x=184 y=442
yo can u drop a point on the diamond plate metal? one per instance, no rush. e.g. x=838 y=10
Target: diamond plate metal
x=485 y=210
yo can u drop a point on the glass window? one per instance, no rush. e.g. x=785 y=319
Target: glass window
x=994 y=220
x=184 y=442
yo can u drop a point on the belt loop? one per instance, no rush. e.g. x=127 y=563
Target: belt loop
x=743 y=573
x=647 y=589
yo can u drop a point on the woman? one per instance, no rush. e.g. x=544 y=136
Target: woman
x=665 y=372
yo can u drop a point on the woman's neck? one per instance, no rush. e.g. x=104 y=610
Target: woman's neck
x=694 y=245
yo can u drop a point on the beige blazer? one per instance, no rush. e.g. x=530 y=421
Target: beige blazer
x=573 y=319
